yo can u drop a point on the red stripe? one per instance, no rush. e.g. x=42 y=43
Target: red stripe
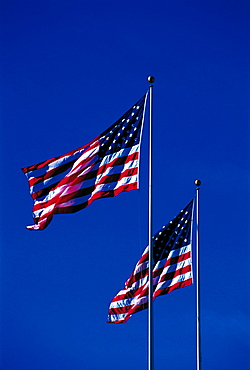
x=173 y=287
x=130 y=294
x=83 y=192
x=130 y=310
x=48 y=161
x=110 y=193
x=74 y=179
x=138 y=292
x=172 y=261
x=44 y=220
x=171 y=275
x=119 y=161
x=49 y=174
x=176 y=259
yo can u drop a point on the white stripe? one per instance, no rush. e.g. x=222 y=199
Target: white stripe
x=117 y=317
x=177 y=279
x=91 y=154
x=121 y=303
x=47 y=182
x=135 y=301
x=172 y=268
x=67 y=189
x=44 y=211
x=140 y=267
x=115 y=185
x=179 y=251
x=117 y=169
x=173 y=253
x=57 y=163
x=121 y=153
x=69 y=172
x=88 y=183
x=126 y=181
x=139 y=283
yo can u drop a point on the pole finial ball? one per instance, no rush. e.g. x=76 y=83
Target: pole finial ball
x=197 y=182
x=151 y=79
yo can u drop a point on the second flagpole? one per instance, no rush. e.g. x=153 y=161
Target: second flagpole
x=150 y=258
x=198 y=333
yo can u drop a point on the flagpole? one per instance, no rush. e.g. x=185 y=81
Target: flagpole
x=150 y=258
x=198 y=334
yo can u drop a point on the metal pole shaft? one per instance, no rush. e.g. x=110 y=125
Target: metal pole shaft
x=150 y=265
x=198 y=336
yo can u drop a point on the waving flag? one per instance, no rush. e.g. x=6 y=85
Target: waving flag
x=172 y=268
x=105 y=167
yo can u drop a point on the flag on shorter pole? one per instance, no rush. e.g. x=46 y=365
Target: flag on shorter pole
x=105 y=167
x=172 y=268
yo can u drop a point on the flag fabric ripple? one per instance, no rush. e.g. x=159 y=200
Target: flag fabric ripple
x=105 y=167
x=172 y=268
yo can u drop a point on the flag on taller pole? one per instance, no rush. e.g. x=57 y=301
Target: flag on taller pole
x=105 y=167
x=172 y=268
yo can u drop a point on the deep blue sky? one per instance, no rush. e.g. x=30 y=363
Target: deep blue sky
x=69 y=69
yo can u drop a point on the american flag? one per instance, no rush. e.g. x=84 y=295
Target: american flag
x=105 y=167
x=172 y=268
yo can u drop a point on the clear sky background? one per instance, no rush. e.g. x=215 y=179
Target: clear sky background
x=69 y=69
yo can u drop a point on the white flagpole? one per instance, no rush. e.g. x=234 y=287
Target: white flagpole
x=150 y=258
x=198 y=334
